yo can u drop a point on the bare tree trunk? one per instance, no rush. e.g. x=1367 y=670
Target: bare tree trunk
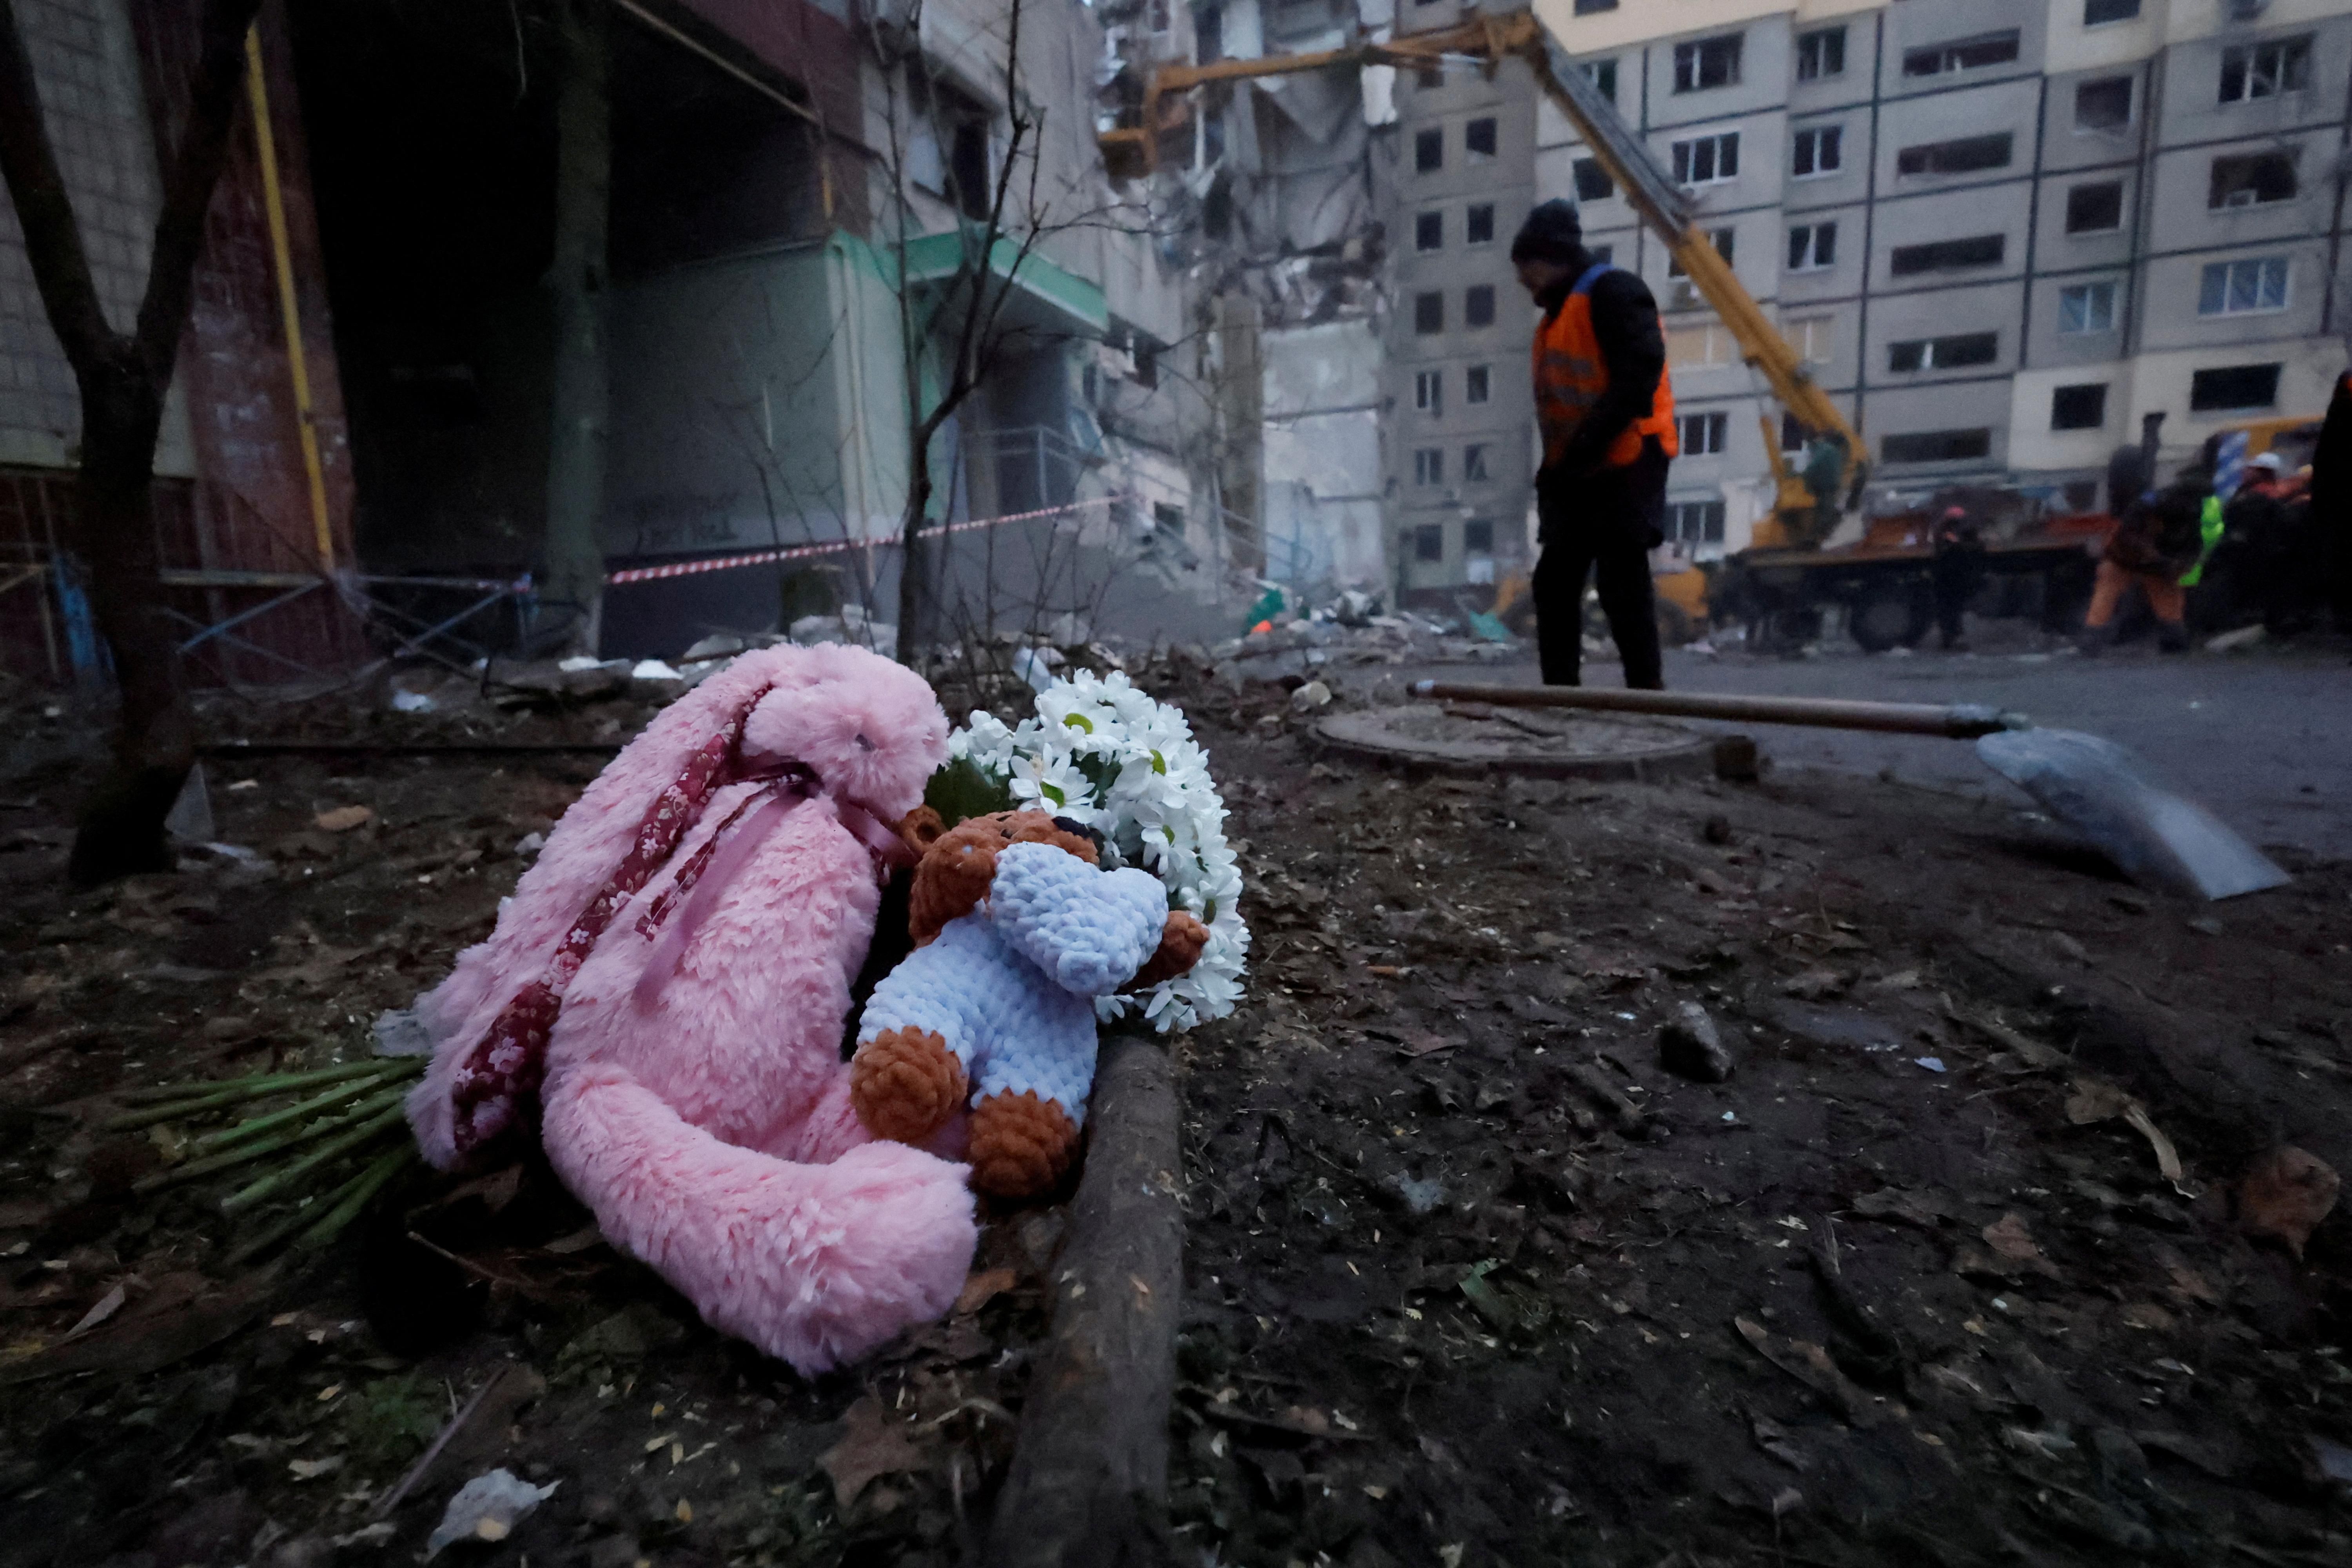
x=581 y=409
x=123 y=379
x=914 y=559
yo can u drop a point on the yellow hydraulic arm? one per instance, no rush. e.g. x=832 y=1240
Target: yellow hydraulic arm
x=1663 y=204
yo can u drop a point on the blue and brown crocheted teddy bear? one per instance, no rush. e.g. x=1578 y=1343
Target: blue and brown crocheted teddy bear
x=1017 y=930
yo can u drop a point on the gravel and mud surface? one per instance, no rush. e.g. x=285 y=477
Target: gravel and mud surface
x=1471 y=1278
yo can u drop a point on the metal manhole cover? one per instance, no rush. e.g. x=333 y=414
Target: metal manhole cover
x=1471 y=737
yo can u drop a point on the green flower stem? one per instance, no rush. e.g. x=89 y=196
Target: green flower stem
x=276 y=1180
x=259 y=1125
x=190 y=1099
x=354 y=1195
x=381 y=1113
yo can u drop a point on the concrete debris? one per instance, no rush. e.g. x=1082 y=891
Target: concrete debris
x=1691 y=1047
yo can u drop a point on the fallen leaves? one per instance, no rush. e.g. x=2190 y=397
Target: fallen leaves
x=1809 y=1364
x=343 y=818
x=2285 y=1195
x=875 y=1445
x=2094 y=1099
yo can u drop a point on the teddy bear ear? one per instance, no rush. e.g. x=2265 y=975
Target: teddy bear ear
x=921 y=828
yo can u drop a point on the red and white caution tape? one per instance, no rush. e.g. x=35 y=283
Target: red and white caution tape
x=801 y=552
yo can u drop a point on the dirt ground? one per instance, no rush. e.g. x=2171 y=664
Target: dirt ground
x=1471 y=1278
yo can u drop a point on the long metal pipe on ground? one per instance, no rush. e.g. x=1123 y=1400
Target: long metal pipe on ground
x=1953 y=721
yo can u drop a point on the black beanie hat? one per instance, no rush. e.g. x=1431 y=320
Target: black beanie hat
x=1552 y=233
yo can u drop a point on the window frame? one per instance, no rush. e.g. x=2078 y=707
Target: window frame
x=1473 y=464
x=1959 y=351
x=1428 y=467
x=1691 y=58
x=1592 y=180
x=1817 y=42
x=1603 y=75
x=1798 y=332
x=2104 y=291
x=2294 y=58
x=2091 y=21
x=1947 y=54
x=1807 y=142
x=1429 y=392
x=1985 y=432
x=1478 y=308
x=1425 y=140
x=1474 y=216
x=1428 y=317
x=1709 y=514
x=1477 y=384
x=1429 y=542
x=1684 y=156
x=2280 y=267
x=1429 y=231
x=1713 y=431
x=1493 y=128
x=1818 y=255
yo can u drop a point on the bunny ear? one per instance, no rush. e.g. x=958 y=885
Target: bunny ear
x=587 y=849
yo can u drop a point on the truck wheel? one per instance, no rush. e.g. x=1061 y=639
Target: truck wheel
x=1896 y=615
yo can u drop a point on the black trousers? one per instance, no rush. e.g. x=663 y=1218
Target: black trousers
x=1603 y=527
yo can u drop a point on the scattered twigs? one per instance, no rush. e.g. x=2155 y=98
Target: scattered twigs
x=456 y=1424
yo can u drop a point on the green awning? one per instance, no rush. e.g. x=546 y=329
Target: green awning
x=936 y=257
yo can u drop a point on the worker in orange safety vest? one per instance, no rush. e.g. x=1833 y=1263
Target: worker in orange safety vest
x=1606 y=411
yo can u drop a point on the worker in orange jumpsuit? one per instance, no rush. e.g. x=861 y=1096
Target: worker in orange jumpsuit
x=2157 y=540
x=1606 y=414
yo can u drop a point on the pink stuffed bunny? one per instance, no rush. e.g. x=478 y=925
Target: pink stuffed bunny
x=671 y=979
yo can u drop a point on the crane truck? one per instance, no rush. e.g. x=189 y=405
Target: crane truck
x=1786 y=575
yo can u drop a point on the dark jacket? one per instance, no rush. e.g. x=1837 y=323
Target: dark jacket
x=1633 y=349
x=2161 y=533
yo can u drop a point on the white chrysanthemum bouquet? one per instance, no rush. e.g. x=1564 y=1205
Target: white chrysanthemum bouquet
x=1101 y=752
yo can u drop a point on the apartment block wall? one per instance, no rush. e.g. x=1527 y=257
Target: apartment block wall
x=2122 y=304
x=1447 y=527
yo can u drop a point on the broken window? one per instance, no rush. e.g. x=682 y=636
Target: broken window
x=1428 y=151
x=2250 y=179
x=1429 y=542
x=1479 y=139
x=2233 y=386
x=1707 y=62
x=1592 y=181
x=1817 y=150
x=1428 y=313
x=1478 y=225
x=1429 y=391
x=1968 y=155
x=1707 y=160
x=1961 y=54
x=2103 y=104
x=2239 y=288
x=1821 y=53
x=2095 y=209
x=1429 y=231
x=1702 y=435
x=1474 y=384
x=1948 y=255
x=1951 y=352
x=1811 y=247
x=2098 y=10
x=2087 y=308
x=2264 y=70
x=1479 y=533
x=1935 y=446
x=1604 y=77
x=1473 y=467
x=2083 y=407
x=1478 y=305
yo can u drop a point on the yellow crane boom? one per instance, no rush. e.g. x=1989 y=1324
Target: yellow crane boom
x=1664 y=205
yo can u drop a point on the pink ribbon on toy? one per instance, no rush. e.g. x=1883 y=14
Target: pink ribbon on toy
x=504 y=1069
